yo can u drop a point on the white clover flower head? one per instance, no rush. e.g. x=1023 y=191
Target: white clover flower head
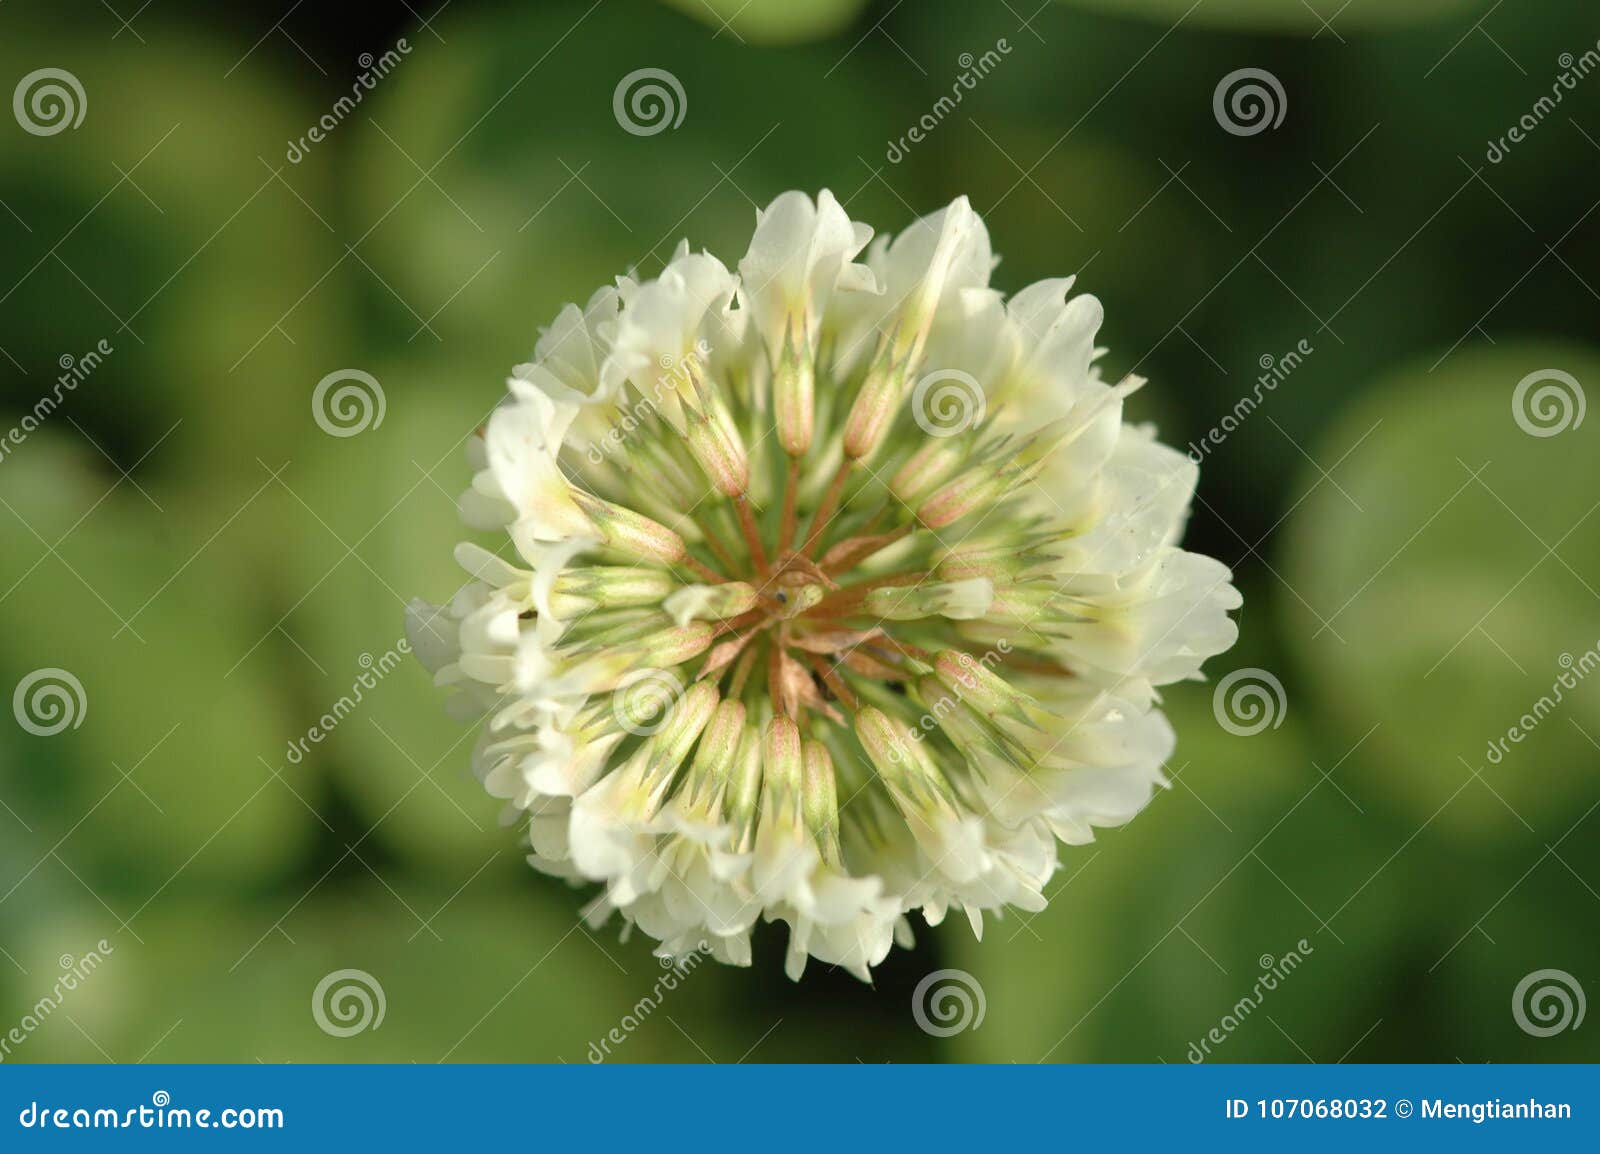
x=780 y=628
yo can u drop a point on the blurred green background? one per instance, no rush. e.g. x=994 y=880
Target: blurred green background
x=216 y=570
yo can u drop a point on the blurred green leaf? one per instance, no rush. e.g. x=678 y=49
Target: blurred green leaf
x=375 y=520
x=496 y=984
x=161 y=774
x=774 y=21
x=1280 y=16
x=1177 y=909
x=539 y=193
x=1446 y=565
x=159 y=226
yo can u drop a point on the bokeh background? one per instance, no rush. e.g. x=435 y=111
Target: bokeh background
x=216 y=570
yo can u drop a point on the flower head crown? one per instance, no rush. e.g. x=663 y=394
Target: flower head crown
x=840 y=589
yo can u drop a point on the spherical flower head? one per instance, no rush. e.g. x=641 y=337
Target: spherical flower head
x=829 y=587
